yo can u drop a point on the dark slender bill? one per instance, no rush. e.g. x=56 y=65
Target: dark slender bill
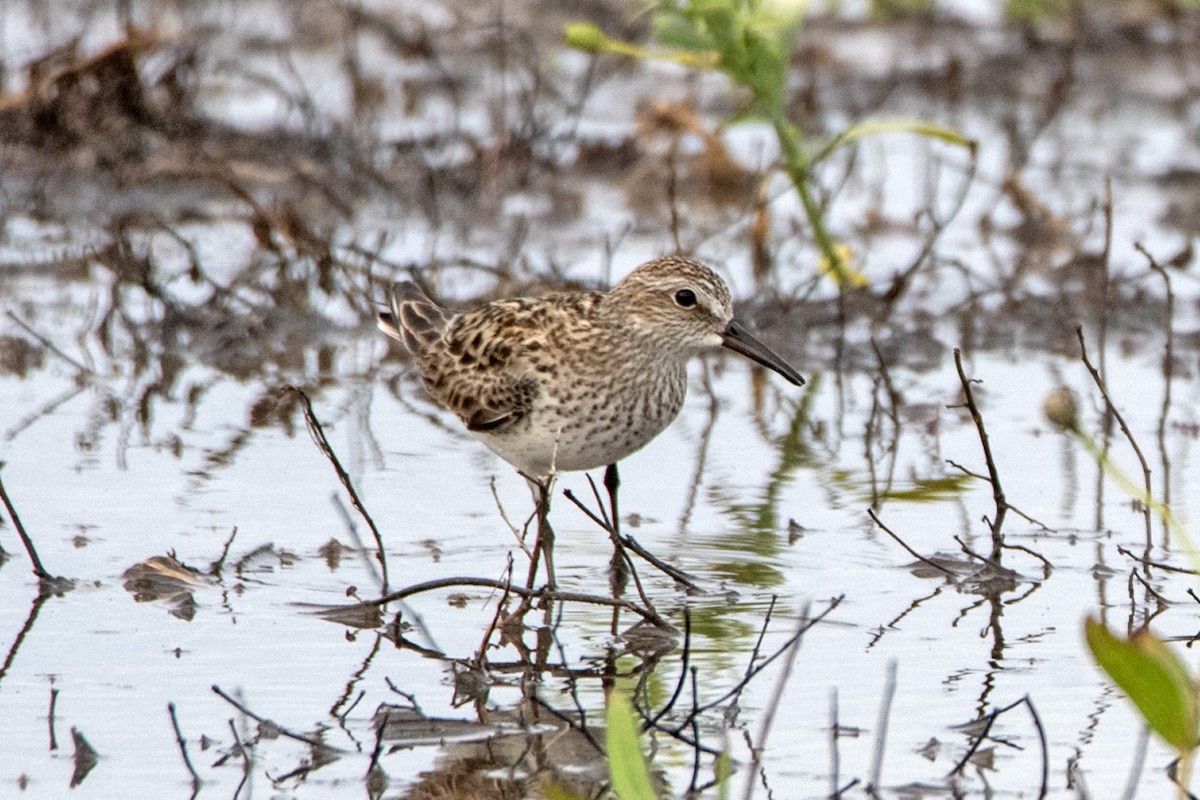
x=739 y=340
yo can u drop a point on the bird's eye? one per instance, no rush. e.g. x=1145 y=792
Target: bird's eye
x=685 y=298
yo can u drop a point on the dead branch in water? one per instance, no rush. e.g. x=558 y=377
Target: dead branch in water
x=993 y=474
x=318 y=434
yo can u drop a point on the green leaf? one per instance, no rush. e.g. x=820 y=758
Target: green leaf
x=1153 y=678
x=676 y=31
x=626 y=765
x=874 y=127
x=723 y=771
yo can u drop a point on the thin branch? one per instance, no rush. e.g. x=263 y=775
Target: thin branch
x=993 y=473
x=1124 y=429
x=899 y=541
x=318 y=434
x=1155 y=564
x=672 y=572
x=38 y=569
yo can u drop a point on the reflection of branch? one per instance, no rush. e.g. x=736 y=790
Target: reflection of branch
x=683 y=667
x=537 y=594
x=183 y=749
x=299 y=737
x=34 y=608
x=806 y=624
x=1037 y=724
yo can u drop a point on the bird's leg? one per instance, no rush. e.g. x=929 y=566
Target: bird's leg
x=618 y=569
x=545 y=534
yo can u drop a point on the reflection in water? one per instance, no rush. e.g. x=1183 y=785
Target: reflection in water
x=193 y=221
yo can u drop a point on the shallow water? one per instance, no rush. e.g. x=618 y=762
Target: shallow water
x=144 y=418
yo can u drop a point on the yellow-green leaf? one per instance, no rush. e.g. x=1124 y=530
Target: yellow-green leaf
x=1153 y=678
x=874 y=127
x=626 y=765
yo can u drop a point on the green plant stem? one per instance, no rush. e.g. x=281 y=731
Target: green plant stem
x=1131 y=488
x=796 y=166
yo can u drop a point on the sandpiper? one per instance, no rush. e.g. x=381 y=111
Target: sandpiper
x=574 y=380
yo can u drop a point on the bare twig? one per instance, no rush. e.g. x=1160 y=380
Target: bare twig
x=899 y=541
x=806 y=624
x=672 y=572
x=38 y=569
x=993 y=473
x=1099 y=381
x=318 y=434
x=1155 y=564
x=245 y=754
x=215 y=568
x=1133 y=573
x=1011 y=507
x=983 y=735
x=49 y=345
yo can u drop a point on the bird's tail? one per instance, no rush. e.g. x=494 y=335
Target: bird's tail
x=413 y=318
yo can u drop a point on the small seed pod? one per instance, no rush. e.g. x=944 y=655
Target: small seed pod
x=1062 y=409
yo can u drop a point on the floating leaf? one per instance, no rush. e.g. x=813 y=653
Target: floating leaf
x=1153 y=678
x=626 y=764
